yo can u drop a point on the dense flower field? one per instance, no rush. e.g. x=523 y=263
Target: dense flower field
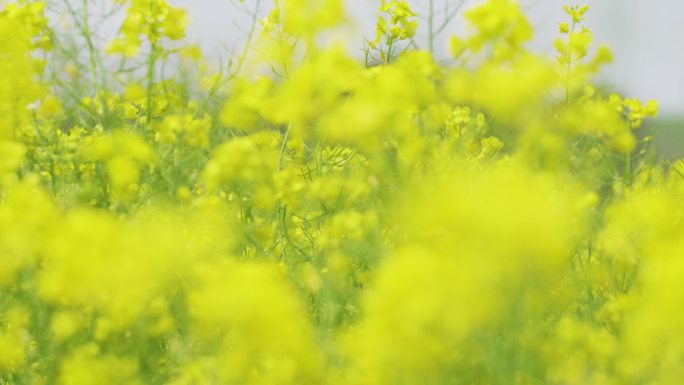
x=303 y=215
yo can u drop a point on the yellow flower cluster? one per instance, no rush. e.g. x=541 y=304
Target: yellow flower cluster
x=397 y=24
x=154 y=19
x=499 y=26
x=493 y=220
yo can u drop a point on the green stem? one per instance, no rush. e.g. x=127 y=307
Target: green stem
x=568 y=78
x=388 y=56
x=628 y=168
x=151 y=61
x=282 y=147
x=628 y=160
x=281 y=208
x=431 y=27
x=89 y=42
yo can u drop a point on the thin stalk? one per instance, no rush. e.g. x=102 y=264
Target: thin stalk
x=568 y=78
x=628 y=160
x=449 y=16
x=87 y=35
x=282 y=147
x=151 y=61
x=431 y=27
x=281 y=208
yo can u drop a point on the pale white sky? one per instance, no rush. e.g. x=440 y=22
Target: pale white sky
x=644 y=35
